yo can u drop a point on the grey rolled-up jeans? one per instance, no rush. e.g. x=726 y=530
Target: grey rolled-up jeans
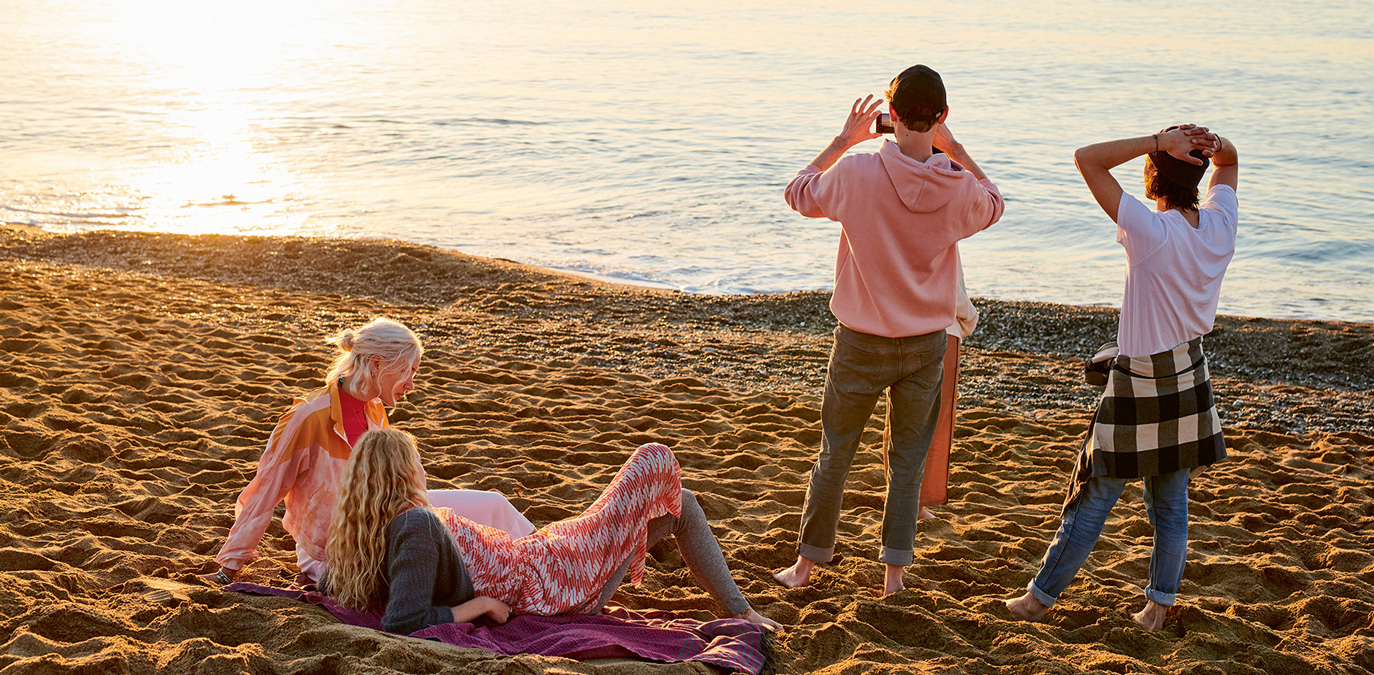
x=700 y=551
x=863 y=367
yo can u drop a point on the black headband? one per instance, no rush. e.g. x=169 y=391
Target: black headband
x=1178 y=171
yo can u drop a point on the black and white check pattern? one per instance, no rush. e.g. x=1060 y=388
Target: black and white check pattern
x=1157 y=416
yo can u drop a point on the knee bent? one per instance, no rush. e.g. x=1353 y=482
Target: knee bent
x=690 y=503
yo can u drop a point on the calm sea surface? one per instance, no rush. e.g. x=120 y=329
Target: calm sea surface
x=651 y=143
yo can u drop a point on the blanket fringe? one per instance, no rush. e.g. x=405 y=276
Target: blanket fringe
x=770 y=661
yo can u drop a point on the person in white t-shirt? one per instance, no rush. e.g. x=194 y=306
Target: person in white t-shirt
x=1157 y=420
x=1177 y=251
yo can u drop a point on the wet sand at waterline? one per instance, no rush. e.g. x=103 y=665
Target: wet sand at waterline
x=141 y=374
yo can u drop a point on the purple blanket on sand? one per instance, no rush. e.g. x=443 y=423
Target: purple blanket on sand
x=732 y=644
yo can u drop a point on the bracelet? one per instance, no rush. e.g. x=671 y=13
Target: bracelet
x=223 y=578
x=1156 y=137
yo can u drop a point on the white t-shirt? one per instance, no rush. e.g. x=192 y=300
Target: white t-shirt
x=1174 y=271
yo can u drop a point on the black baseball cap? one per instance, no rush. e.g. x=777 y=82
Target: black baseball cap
x=1178 y=171
x=917 y=94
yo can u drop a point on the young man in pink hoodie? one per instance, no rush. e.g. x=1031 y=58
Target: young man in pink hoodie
x=901 y=210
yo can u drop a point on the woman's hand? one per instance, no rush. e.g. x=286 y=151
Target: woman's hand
x=1215 y=143
x=497 y=611
x=1187 y=138
x=480 y=606
x=858 y=127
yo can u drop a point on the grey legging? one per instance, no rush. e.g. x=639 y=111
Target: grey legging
x=699 y=550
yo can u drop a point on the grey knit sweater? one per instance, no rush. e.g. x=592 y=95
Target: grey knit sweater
x=425 y=573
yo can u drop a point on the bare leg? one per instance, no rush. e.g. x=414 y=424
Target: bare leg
x=796 y=576
x=925 y=515
x=1151 y=618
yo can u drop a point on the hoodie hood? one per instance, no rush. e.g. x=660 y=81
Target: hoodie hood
x=926 y=186
x=896 y=266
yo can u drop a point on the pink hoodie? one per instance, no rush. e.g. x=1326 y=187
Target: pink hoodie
x=896 y=274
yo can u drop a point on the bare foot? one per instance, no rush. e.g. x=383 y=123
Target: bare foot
x=1027 y=608
x=892 y=580
x=1151 y=618
x=759 y=620
x=796 y=576
x=925 y=514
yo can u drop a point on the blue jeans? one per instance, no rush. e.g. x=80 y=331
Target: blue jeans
x=1166 y=503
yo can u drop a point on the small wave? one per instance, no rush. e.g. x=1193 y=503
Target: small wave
x=486 y=121
x=612 y=276
x=75 y=216
x=225 y=200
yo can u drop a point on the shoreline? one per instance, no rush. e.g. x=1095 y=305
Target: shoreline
x=628 y=281
x=1268 y=372
x=141 y=374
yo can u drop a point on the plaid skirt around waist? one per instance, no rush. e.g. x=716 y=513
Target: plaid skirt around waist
x=1157 y=416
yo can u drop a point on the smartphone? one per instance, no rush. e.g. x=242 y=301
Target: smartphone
x=883 y=125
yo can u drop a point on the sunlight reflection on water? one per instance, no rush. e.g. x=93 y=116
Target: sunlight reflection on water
x=653 y=143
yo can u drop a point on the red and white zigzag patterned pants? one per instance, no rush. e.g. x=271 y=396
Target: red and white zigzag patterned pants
x=561 y=568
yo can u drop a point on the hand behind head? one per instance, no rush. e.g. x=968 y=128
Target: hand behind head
x=1183 y=140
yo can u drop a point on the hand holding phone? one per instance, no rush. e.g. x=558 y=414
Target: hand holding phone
x=883 y=125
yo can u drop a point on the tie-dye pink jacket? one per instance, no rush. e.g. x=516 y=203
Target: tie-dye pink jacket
x=303 y=464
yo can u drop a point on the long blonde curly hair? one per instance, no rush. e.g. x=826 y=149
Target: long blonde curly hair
x=382 y=480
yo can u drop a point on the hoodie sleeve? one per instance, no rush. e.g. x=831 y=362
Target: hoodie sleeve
x=412 y=571
x=809 y=190
x=986 y=209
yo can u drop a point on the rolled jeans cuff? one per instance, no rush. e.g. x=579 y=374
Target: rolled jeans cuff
x=1040 y=596
x=892 y=556
x=815 y=553
x=1166 y=599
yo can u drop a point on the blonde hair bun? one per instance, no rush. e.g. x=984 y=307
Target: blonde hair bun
x=398 y=347
x=345 y=340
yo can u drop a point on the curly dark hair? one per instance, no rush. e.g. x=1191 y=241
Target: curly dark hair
x=1175 y=196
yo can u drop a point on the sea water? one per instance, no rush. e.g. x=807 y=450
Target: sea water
x=650 y=142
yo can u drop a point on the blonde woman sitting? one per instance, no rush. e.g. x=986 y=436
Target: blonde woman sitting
x=307 y=452
x=390 y=550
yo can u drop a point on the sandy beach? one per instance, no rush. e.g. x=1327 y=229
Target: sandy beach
x=140 y=375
